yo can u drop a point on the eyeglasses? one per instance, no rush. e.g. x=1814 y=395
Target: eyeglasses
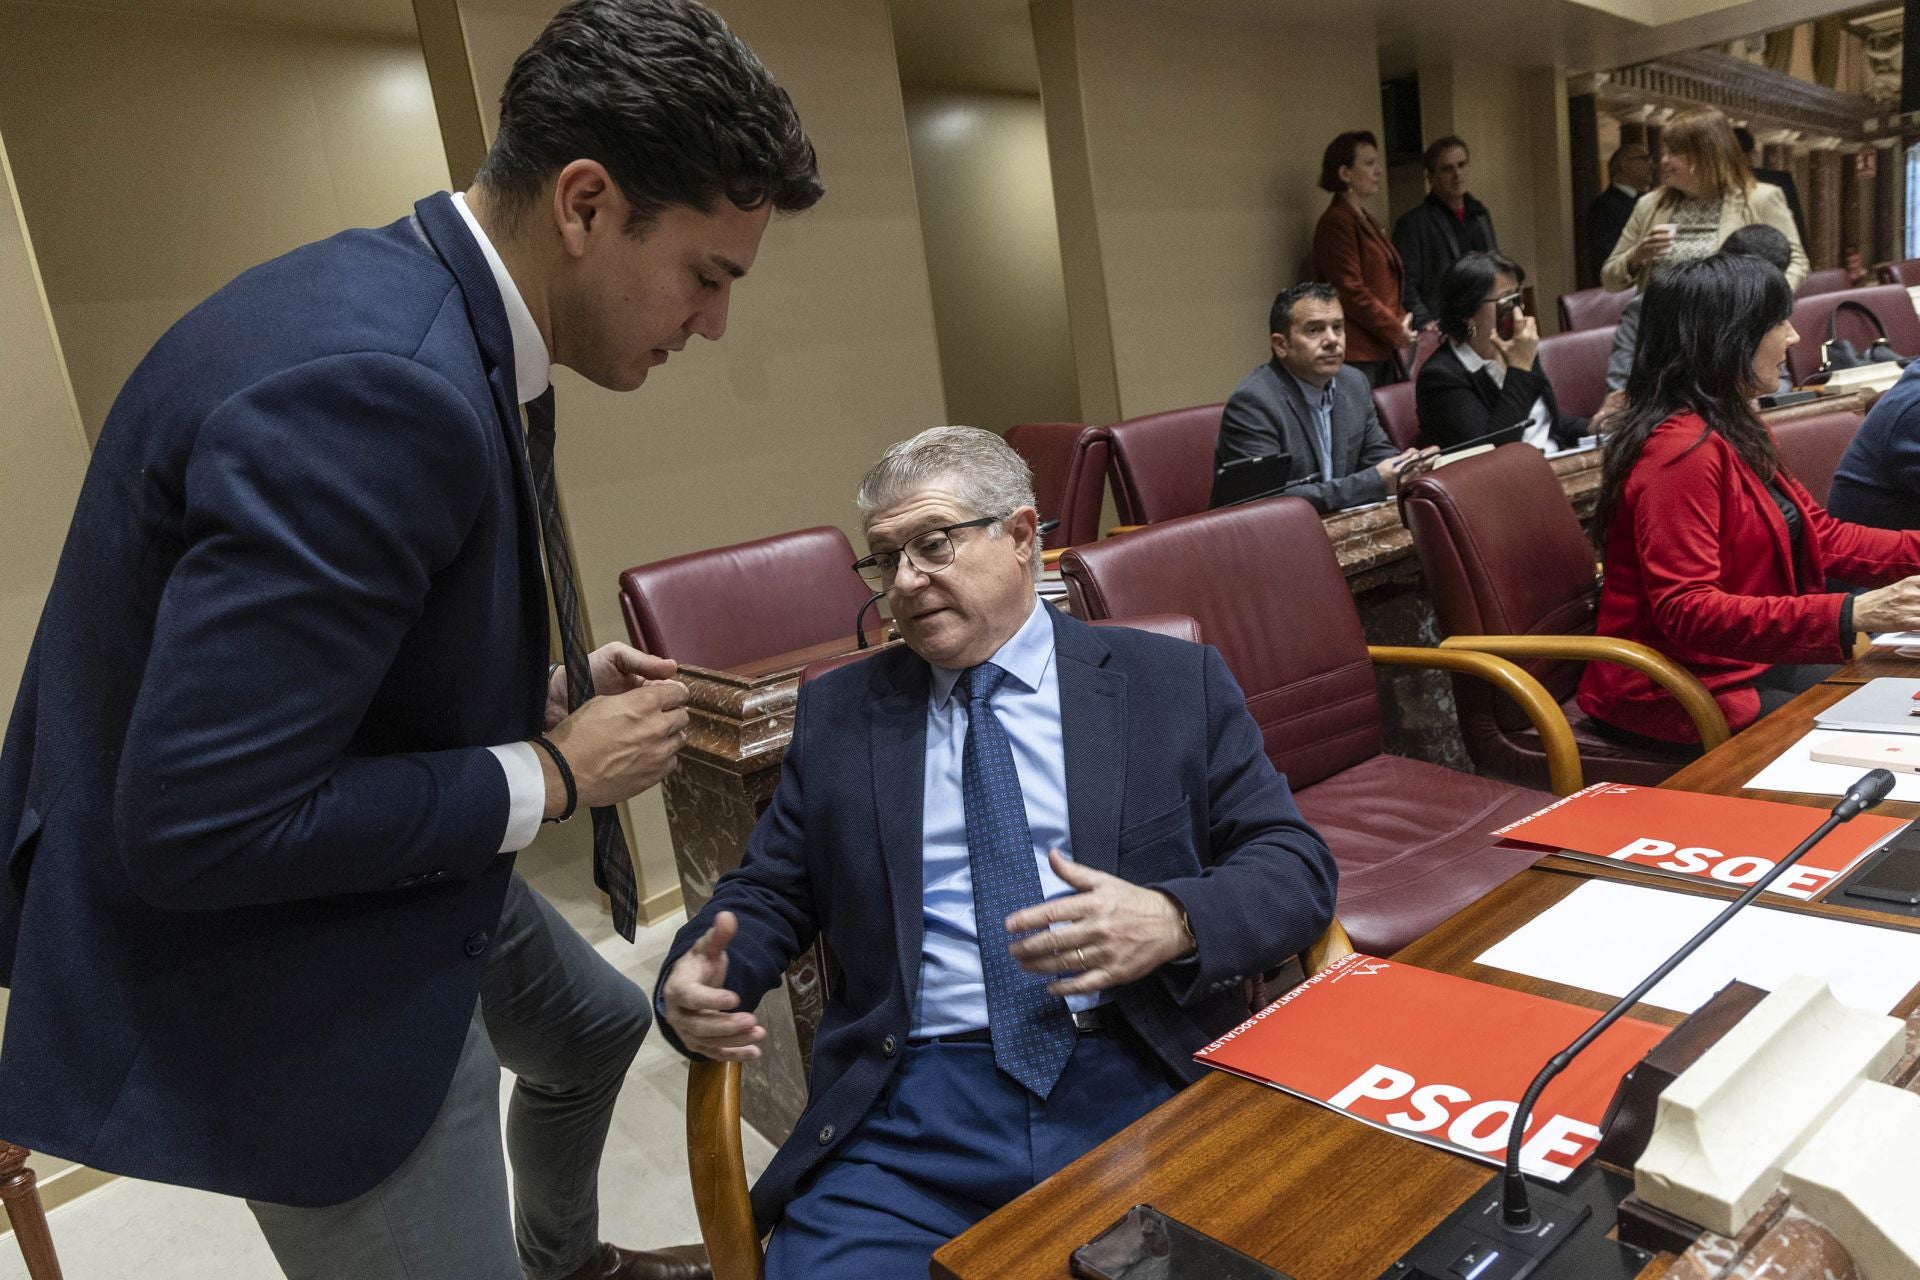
x=929 y=552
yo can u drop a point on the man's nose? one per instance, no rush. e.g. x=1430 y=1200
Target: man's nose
x=710 y=321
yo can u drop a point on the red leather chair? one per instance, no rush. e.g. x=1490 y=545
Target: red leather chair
x=1162 y=464
x=1811 y=316
x=1411 y=838
x=1395 y=406
x=1811 y=447
x=1576 y=364
x=1069 y=463
x=1905 y=274
x=1511 y=572
x=752 y=600
x=1592 y=309
x=1424 y=345
x=1831 y=280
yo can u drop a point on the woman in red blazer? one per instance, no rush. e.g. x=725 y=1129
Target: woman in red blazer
x=1352 y=252
x=1715 y=556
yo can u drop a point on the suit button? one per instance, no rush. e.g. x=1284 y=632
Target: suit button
x=476 y=942
x=826 y=1135
x=406 y=882
x=888 y=1046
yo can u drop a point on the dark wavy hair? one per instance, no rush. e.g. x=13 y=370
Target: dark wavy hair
x=1340 y=153
x=1700 y=324
x=1280 y=315
x=660 y=92
x=1464 y=287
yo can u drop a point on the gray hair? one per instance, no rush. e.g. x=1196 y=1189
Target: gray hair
x=980 y=469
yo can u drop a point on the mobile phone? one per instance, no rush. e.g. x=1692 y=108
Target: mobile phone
x=1503 y=310
x=1895 y=877
x=1148 y=1245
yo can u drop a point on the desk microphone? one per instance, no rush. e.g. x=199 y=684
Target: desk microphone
x=1528 y=1236
x=860 y=618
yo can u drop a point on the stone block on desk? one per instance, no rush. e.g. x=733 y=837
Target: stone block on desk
x=1727 y=1126
x=1858 y=1176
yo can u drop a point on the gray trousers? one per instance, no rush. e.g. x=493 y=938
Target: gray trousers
x=567 y=1025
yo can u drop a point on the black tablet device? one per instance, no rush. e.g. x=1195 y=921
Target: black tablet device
x=1245 y=479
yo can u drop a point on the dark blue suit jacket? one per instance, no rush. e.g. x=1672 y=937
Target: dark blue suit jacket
x=1878 y=479
x=1167 y=785
x=252 y=826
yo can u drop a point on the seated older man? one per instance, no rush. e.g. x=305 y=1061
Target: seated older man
x=1043 y=855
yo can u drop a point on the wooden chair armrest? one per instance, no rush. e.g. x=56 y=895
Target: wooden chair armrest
x=1556 y=736
x=1328 y=947
x=1050 y=556
x=1124 y=528
x=1708 y=720
x=717 y=1168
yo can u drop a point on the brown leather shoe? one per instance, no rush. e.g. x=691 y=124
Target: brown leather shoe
x=682 y=1262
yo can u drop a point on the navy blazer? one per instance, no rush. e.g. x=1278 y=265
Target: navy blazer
x=1878 y=479
x=1167 y=785
x=253 y=827
x=1456 y=407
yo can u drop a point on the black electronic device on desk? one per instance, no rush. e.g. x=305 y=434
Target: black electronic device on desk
x=1890 y=881
x=1249 y=479
x=1148 y=1245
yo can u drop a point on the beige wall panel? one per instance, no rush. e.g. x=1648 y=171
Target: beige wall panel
x=160 y=156
x=1205 y=140
x=993 y=257
x=829 y=354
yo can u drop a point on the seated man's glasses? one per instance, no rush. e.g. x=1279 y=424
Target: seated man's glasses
x=929 y=552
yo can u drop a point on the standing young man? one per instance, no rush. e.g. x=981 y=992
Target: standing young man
x=281 y=730
x=1443 y=228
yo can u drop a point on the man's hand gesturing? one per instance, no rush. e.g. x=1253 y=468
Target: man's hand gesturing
x=627 y=738
x=701 y=1010
x=1110 y=933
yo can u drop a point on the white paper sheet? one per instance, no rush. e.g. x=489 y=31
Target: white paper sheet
x=1896 y=639
x=1795 y=769
x=1606 y=937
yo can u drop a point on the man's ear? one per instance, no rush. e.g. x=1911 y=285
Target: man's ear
x=1023 y=526
x=1278 y=341
x=586 y=202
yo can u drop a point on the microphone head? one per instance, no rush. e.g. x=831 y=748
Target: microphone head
x=1871 y=788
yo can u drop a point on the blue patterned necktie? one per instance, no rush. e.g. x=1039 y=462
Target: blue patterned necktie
x=1032 y=1030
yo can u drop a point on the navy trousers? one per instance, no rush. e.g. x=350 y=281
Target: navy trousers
x=951 y=1140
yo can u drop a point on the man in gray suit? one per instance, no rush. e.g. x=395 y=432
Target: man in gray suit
x=1306 y=403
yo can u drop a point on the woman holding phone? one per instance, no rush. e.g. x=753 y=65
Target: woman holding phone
x=1715 y=555
x=1482 y=385
x=1706 y=193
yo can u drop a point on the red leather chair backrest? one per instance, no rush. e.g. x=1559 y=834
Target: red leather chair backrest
x=1503 y=553
x=1811 y=447
x=1398 y=418
x=1592 y=309
x=752 y=600
x=1576 y=364
x=1905 y=274
x=1262 y=581
x=1048 y=450
x=1831 y=280
x=1811 y=315
x=1162 y=464
x=1179 y=626
x=1085 y=489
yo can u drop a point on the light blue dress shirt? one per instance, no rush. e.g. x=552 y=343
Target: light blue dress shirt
x=953 y=995
x=1320 y=405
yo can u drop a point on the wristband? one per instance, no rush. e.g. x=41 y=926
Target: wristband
x=545 y=743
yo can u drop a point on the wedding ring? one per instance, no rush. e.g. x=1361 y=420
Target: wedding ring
x=1080 y=959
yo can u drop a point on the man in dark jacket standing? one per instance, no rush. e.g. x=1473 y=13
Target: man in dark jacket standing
x=1445 y=227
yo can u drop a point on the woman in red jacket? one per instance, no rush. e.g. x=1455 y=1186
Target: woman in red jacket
x=1714 y=555
x=1351 y=252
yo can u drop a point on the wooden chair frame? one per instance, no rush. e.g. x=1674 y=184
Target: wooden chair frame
x=717 y=1164
x=1564 y=772
x=20 y=1193
x=1708 y=720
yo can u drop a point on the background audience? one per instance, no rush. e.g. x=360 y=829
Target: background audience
x=1629 y=172
x=1482 y=382
x=1351 y=251
x=1706 y=193
x=1443 y=228
x=1758 y=241
x=1714 y=555
x=1781 y=178
x=1305 y=403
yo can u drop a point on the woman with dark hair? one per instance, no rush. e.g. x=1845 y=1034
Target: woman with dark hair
x=1707 y=192
x=1352 y=252
x=1714 y=555
x=1482 y=382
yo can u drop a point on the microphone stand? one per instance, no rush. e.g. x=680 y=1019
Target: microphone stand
x=1466 y=1244
x=860 y=618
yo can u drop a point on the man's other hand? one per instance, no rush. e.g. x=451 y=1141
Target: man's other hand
x=700 y=1010
x=619 y=744
x=616 y=668
x=1110 y=933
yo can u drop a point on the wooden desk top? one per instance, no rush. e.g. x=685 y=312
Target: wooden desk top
x=1307 y=1190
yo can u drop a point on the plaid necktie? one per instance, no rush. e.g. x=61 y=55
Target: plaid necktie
x=1032 y=1029
x=612 y=864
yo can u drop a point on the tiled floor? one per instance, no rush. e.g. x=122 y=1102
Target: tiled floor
x=142 y=1230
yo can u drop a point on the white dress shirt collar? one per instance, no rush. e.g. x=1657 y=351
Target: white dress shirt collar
x=532 y=367
x=1024 y=657
x=1470 y=360
x=1632 y=191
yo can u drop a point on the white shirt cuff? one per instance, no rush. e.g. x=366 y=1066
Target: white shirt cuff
x=526 y=794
